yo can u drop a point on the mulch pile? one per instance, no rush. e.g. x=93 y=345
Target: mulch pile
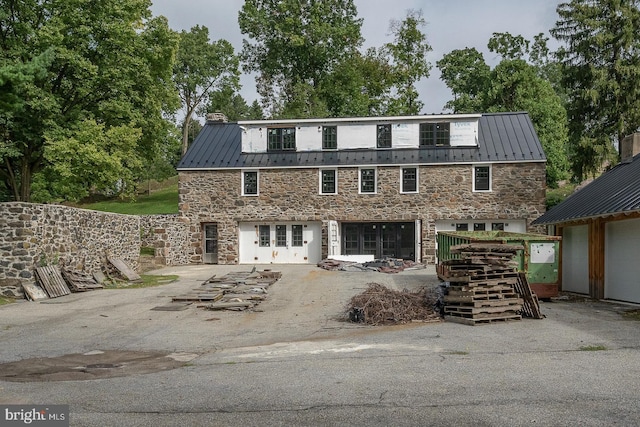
x=379 y=305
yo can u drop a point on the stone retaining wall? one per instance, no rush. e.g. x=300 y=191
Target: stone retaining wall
x=32 y=235
x=168 y=235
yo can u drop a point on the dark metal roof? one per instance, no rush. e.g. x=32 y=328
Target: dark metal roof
x=502 y=137
x=616 y=191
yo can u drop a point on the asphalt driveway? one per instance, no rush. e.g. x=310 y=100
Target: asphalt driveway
x=295 y=361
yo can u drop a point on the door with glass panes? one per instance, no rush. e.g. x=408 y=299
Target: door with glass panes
x=210 y=235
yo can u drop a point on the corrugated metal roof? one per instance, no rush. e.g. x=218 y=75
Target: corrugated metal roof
x=502 y=137
x=614 y=192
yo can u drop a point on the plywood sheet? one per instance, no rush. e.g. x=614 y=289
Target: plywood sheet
x=34 y=292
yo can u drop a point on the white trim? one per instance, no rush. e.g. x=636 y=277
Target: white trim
x=417 y=168
x=320 y=181
x=375 y=181
x=473 y=177
x=243 y=171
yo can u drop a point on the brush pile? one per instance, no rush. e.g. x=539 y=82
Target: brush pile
x=379 y=305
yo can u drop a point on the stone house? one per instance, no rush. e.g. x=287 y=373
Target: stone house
x=298 y=191
x=600 y=229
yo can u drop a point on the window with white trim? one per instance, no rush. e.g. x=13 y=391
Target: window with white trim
x=482 y=178
x=281 y=139
x=409 y=180
x=328 y=181
x=383 y=136
x=329 y=137
x=367 y=181
x=250 y=183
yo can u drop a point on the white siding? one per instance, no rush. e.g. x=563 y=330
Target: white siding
x=354 y=135
x=622 y=260
x=575 y=259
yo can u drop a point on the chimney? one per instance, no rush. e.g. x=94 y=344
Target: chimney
x=216 y=118
x=629 y=147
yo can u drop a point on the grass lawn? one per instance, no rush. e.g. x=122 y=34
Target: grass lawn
x=162 y=201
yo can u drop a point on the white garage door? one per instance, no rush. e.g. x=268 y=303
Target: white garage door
x=280 y=242
x=575 y=259
x=622 y=261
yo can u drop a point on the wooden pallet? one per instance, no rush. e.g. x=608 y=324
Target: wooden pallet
x=482 y=303
x=531 y=305
x=52 y=281
x=481 y=320
x=473 y=311
x=80 y=282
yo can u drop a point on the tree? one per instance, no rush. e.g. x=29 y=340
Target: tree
x=408 y=52
x=232 y=105
x=294 y=46
x=467 y=74
x=513 y=85
x=601 y=72
x=202 y=67
x=67 y=62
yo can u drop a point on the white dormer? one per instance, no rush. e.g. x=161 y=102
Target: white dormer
x=454 y=130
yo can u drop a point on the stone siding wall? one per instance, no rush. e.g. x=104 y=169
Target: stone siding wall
x=32 y=235
x=168 y=235
x=445 y=192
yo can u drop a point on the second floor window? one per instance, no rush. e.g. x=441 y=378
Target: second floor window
x=434 y=134
x=384 y=136
x=329 y=137
x=409 y=180
x=328 y=181
x=250 y=183
x=367 y=180
x=281 y=139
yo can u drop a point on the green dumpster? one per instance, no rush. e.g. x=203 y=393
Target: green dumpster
x=539 y=259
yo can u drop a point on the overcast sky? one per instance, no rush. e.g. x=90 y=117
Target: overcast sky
x=451 y=24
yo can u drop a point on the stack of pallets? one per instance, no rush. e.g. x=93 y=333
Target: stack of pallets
x=482 y=284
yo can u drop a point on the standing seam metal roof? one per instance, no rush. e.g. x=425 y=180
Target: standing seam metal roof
x=614 y=192
x=502 y=137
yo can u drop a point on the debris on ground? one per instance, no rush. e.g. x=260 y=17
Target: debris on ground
x=384 y=265
x=379 y=305
x=484 y=285
x=235 y=291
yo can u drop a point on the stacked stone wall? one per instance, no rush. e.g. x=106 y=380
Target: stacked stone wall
x=168 y=235
x=32 y=235
x=445 y=192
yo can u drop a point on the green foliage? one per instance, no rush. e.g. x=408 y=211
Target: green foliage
x=91 y=158
x=359 y=86
x=408 y=51
x=294 y=46
x=466 y=73
x=233 y=106
x=63 y=62
x=557 y=195
x=202 y=67
x=513 y=85
x=600 y=62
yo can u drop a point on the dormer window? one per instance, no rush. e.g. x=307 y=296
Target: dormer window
x=329 y=137
x=281 y=139
x=384 y=136
x=434 y=134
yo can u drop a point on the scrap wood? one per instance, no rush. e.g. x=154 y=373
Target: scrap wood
x=490 y=248
x=52 y=281
x=380 y=305
x=80 y=282
x=34 y=292
x=242 y=305
x=384 y=265
x=124 y=269
x=531 y=305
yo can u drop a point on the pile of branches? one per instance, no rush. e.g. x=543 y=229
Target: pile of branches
x=379 y=305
